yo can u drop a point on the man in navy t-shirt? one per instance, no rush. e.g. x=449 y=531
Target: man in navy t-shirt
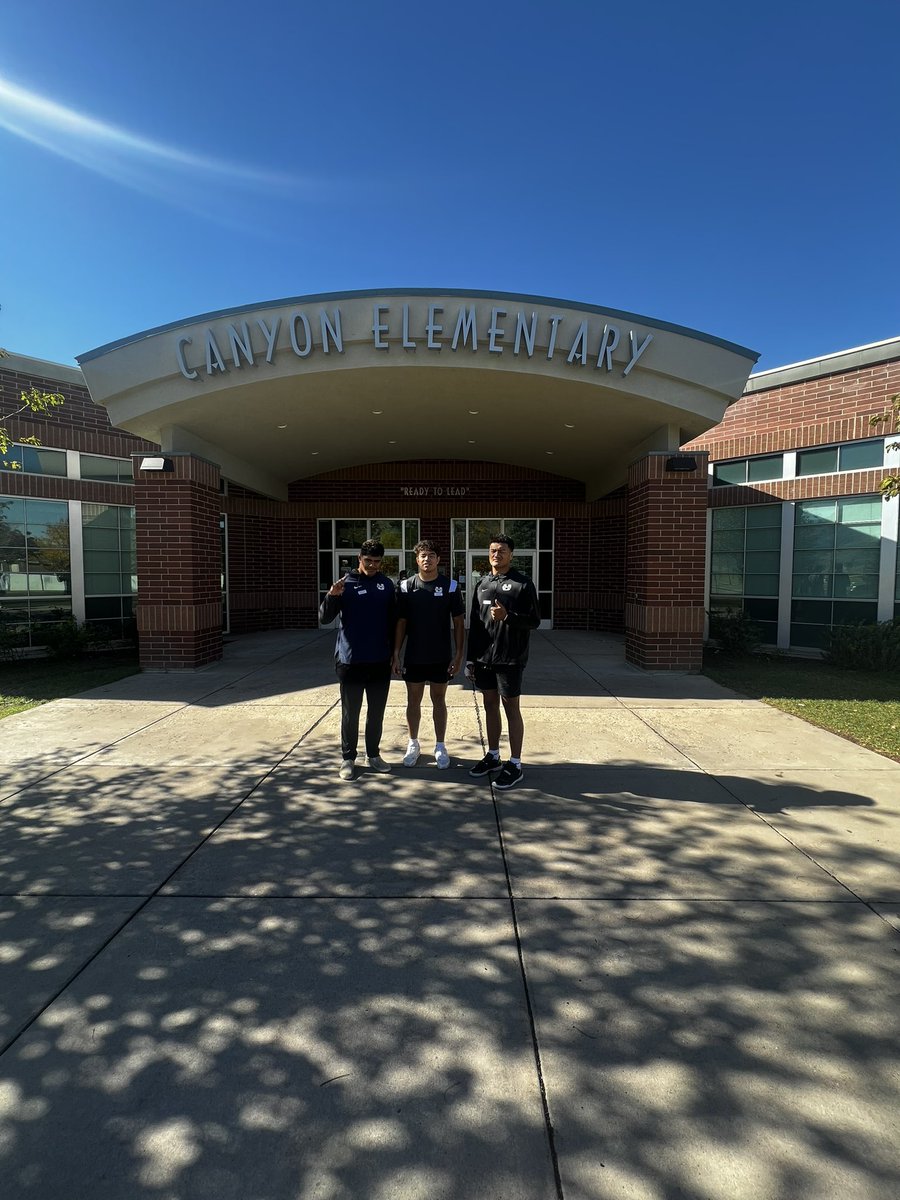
x=431 y=619
x=365 y=603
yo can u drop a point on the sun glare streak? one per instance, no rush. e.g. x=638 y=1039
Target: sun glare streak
x=125 y=157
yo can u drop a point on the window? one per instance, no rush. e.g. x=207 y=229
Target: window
x=745 y=561
x=110 y=566
x=748 y=470
x=533 y=556
x=34 y=460
x=340 y=540
x=837 y=552
x=106 y=470
x=852 y=456
x=35 y=567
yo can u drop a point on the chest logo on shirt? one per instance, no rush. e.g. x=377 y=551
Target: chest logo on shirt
x=507 y=587
x=439 y=591
x=361 y=591
x=380 y=586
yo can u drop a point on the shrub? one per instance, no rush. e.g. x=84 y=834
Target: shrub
x=870 y=647
x=734 y=632
x=13 y=644
x=64 y=639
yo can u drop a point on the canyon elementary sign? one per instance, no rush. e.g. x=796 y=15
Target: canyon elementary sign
x=256 y=339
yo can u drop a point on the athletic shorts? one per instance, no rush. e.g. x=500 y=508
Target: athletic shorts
x=427 y=672
x=507 y=680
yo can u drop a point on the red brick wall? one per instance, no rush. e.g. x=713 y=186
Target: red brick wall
x=813 y=412
x=665 y=565
x=179 y=604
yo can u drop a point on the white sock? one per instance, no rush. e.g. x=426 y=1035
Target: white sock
x=495 y=753
x=516 y=762
x=413 y=744
x=439 y=746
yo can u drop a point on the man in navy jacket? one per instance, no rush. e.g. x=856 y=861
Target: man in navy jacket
x=365 y=604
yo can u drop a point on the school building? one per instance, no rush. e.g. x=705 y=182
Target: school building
x=214 y=475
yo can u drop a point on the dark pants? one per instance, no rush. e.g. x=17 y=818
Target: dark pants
x=372 y=680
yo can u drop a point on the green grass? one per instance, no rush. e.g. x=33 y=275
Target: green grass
x=860 y=705
x=31 y=682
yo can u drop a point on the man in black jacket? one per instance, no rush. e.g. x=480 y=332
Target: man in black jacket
x=505 y=609
x=364 y=601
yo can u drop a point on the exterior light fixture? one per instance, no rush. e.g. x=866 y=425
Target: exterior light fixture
x=376 y=412
x=681 y=462
x=281 y=426
x=473 y=412
x=157 y=463
x=568 y=426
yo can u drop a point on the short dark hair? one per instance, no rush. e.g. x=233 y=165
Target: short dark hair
x=427 y=544
x=503 y=540
x=371 y=549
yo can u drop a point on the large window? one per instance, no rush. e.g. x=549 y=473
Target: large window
x=748 y=470
x=34 y=460
x=110 y=569
x=106 y=470
x=35 y=567
x=532 y=538
x=852 y=456
x=340 y=540
x=837 y=548
x=745 y=563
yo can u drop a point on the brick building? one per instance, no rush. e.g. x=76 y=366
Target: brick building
x=232 y=463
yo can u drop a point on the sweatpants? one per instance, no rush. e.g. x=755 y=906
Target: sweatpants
x=372 y=680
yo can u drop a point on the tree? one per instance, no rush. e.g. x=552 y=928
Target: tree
x=890 y=419
x=31 y=400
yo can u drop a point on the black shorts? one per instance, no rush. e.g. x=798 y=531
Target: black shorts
x=427 y=672
x=507 y=680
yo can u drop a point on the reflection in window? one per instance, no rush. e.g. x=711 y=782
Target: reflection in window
x=110 y=566
x=106 y=470
x=35 y=567
x=745 y=562
x=34 y=460
x=837 y=552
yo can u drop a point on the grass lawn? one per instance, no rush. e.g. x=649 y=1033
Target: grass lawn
x=859 y=705
x=35 y=681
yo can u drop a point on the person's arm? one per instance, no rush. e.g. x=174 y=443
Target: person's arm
x=399 y=637
x=332 y=602
x=459 y=637
x=478 y=637
x=527 y=611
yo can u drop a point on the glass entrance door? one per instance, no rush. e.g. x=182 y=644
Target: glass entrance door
x=478 y=565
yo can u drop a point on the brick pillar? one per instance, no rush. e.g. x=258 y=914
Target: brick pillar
x=179 y=560
x=665 y=564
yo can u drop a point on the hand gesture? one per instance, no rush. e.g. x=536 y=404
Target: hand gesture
x=337 y=588
x=498 y=611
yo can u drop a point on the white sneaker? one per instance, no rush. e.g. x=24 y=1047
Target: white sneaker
x=348 y=769
x=411 y=757
x=378 y=764
x=442 y=758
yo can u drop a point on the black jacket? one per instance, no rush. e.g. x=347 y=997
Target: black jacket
x=503 y=643
x=367 y=612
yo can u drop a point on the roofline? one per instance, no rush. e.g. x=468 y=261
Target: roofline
x=42 y=368
x=826 y=364
x=330 y=297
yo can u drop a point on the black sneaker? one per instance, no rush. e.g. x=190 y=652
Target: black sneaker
x=488 y=764
x=509 y=777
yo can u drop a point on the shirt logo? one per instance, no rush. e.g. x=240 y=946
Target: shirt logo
x=360 y=591
x=439 y=591
x=380 y=586
x=507 y=587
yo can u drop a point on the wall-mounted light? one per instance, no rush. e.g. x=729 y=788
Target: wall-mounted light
x=681 y=462
x=157 y=464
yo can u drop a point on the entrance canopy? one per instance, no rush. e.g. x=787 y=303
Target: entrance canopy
x=283 y=390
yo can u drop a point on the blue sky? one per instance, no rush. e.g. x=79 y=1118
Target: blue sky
x=732 y=168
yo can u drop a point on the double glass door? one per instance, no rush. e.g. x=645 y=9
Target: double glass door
x=478 y=565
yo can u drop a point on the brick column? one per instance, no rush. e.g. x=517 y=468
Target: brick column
x=665 y=564
x=179 y=560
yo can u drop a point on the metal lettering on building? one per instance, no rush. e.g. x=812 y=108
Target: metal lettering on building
x=577 y=341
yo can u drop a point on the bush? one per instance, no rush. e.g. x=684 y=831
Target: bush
x=873 y=647
x=64 y=639
x=13 y=644
x=734 y=632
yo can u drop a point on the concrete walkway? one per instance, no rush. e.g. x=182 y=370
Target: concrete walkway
x=668 y=966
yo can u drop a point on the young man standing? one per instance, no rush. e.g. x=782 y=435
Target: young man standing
x=429 y=609
x=365 y=602
x=505 y=609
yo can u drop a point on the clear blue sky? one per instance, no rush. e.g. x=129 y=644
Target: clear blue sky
x=732 y=168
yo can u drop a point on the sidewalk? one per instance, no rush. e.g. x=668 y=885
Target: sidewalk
x=667 y=967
